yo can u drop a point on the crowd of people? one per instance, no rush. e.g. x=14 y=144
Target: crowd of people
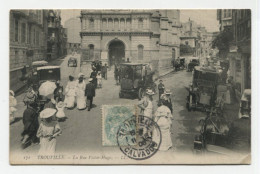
x=162 y=115
x=41 y=122
x=43 y=113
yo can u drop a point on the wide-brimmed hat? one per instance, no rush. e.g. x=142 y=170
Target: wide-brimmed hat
x=90 y=80
x=167 y=91
x=160 y=80
x=149 y=92
x=48 y=112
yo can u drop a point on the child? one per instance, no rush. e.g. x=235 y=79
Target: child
x=99 y=79
x=48 y=131
x=160 y=88
x=60 y=114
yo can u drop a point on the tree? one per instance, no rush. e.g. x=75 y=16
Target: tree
x=222 y=41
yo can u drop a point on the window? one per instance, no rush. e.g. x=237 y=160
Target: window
x=140 y=23
x=16 y=54
x=128 y=24
x=91 y=51
x=116 y=24
x=122 y=24
x=186 y=43
x=16 y=30
x=37 y=38
x=91 y=23
x=23 y=33
x=29 y=34
x=140 y=51
x=110 y=24
x=104 y=24
x=173 y=53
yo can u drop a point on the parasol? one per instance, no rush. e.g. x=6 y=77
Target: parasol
x=47 y=88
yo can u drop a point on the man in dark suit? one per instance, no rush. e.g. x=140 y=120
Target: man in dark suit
x=90 y=93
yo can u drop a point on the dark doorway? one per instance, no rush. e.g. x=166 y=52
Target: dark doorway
x=116 y=52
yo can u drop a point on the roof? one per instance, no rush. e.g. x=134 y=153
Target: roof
x=133 y=64
x=48 y=67
x=41 y=62
x=200 y=68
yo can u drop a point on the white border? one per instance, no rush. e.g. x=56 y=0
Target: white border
x=180 y=4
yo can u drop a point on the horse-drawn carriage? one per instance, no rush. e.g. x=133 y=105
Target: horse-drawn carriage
x=203 y=89
x=44 y=84
x=135 y=78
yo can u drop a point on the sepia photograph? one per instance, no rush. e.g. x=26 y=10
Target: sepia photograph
x=130 y=86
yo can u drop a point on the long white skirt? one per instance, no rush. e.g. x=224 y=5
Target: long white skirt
x=70 y=101
x=47 y=147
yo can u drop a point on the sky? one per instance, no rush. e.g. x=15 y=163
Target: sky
x=207 y=18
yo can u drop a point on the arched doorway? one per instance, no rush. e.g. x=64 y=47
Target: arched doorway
x=116 y=52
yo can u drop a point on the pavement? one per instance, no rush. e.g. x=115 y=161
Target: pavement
x=82 y=131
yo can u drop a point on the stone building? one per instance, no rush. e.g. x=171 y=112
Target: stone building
x=73 y=28
x=150 y=36
x=239 y=55
x=28 y=30
x=224 y=16
x=57 y=36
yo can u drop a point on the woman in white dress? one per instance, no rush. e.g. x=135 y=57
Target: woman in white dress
x=146 y=105
x=80 y=93
x=163 y=118
x=70 y=93
x=48 y=131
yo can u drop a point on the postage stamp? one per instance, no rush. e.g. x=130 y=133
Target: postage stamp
x=112 y=117
x=139 y=137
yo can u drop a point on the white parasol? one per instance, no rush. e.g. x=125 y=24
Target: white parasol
x=47 y=88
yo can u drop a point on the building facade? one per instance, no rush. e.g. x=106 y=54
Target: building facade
x=28 y=35
x=57 y=36
x=73 y=27
x=148 y=36
x=240 y=51
x=224 y=16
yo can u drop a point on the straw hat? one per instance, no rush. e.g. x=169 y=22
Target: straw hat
x=167 y=91
x=48 y=112
x=149 y=92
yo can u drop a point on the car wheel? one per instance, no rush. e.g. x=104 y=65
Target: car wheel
x=140 y=93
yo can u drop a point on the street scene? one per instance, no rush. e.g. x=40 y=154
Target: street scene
x=191 y=78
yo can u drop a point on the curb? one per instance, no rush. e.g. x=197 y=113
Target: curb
x=164 y=74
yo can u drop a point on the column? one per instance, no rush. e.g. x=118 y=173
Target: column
x=119 y=24
x=113 y=28
x=107 y=23
x=125 y=24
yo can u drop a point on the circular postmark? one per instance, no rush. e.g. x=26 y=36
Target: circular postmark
x=139 y=137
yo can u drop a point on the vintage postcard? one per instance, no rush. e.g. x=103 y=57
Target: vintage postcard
x=153 y=86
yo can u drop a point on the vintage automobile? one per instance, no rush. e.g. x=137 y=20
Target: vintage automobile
x=217 y=136
x=135 y=78
x=203 y=88
x=245 y=104
x=179 y=64
x=72 y=62
x=194 y=61
x=47 y=78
